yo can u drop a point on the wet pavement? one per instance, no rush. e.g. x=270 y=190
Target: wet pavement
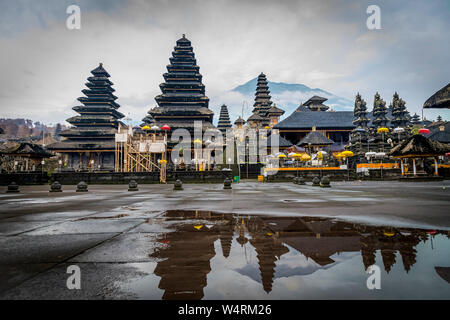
x=257 y=241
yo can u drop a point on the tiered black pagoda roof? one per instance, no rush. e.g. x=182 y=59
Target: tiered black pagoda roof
x=379 y=112
x=183 y=98
x=262 y=96
x=95 y=126
x=400 y=116
x=415 y=119
x=316 y=104
x=275 y=111
x=262 y=102
x=360 y=112
x=224 y=119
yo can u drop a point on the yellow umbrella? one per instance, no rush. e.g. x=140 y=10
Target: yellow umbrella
x=163 y=161
x=382 y=130
x=389 y=234
x=297 y=155
x=320 y=155
x=197 y=141
x=305 y=157
x=347 y=154
x=267 y=127
x=146 y=128
x=281 y=156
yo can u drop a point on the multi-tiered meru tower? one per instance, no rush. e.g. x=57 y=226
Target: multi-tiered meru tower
x=224 y=120
x=379 y=112
x=89 y=144
x=183 y=98
x=264 y=113
x=400 y=116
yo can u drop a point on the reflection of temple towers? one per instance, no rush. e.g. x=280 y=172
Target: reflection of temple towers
x=408 y=252
x=240 y=229
x=226 y=238
x=368 y=251
x=268 y=250
x=187 y=263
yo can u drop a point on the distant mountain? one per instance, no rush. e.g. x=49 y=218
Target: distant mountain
x=288 y=96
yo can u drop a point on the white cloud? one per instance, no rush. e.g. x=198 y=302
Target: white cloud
x=320 y=44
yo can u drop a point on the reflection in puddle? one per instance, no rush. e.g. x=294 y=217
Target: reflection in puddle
x=222 y=256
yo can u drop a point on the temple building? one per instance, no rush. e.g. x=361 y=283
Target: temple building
x=415 y=119
x=239 y=123
x=89 y=144
x=265 y=113
x=313 y=114
x=25 y=156
x=314 y=142
x=224 y=119
x=183 y=98
x=316 y=104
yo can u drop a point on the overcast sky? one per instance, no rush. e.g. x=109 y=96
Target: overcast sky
x=322 y=44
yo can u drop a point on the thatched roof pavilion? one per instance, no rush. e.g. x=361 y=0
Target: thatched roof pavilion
x=439 y=100
x=419 y=146
x=315 y=138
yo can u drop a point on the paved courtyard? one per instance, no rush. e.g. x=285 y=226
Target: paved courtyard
x=112 y=234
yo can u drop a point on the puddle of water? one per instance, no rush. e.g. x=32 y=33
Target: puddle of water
x=350 y=199
x=302 y=200
x=211 y=255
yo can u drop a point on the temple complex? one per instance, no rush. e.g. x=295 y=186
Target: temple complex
x=224 y=119
x=183 y=98
x=89 y=144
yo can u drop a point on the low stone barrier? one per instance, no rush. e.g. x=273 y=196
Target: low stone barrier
x=73 y=178
x=22 y=178
x=309 y=175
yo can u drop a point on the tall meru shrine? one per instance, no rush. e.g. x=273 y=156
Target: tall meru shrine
x=100 y=141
